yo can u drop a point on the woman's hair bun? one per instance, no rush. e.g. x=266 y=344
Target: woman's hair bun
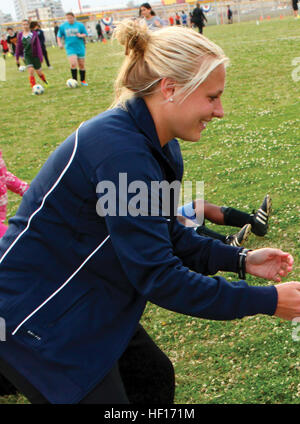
x=134 y=35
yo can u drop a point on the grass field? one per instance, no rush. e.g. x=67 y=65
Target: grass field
x=254 y=150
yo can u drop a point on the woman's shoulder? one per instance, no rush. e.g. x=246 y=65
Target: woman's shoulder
x=113 y=132
x=112 y=138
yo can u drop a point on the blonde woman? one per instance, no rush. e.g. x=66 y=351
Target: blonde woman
x=93 y=240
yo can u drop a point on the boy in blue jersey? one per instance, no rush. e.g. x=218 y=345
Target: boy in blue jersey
x=74 y=34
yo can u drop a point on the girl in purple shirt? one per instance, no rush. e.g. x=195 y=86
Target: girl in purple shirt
x=28 y=45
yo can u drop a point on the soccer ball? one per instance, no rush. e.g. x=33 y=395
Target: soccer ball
x=72 y=83
x=37 y=89
x=22 y=68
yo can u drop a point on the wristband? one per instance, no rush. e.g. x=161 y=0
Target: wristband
x=242 y=263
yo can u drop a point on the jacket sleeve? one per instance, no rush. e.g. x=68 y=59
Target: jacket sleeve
x=144 y=247
x=203 y=254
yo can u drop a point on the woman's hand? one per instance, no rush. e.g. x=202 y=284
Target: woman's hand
x=273 y=264
x=288 y=304
x=268 y=263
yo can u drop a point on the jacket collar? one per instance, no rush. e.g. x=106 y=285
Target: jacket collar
x=139 y=112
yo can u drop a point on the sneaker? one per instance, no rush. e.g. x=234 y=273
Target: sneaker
x=46 y=84
x=260 y=218
x=50 y=67
x=85 y=84
x=239 y=238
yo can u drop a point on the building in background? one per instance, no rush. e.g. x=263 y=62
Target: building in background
x=56 y=7
x=23 y=7
x=38 y=9
x=40 y=14
x=5 y=18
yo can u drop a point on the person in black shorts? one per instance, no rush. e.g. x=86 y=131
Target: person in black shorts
x=35 y=26
x=198 y=18
x=295 y=8
x=56 y=29
x=99 y=31
x=12 y=39
x=229 y=15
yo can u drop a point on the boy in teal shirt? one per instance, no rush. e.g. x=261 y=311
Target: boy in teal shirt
x=74 y=34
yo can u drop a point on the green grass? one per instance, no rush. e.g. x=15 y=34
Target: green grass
x=253 y=150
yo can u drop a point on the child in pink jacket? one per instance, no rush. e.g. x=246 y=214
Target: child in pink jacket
x=10 y=182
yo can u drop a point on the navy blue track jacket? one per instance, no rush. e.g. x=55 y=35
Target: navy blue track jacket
x=73 y=284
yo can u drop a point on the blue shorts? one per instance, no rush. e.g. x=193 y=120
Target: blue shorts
x=80 y=53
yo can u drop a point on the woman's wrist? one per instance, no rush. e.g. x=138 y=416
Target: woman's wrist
x=242 y=263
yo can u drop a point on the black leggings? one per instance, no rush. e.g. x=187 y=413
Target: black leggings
x=143 y=374
x=45 y=54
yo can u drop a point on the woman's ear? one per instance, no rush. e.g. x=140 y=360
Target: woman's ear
x=167 y=88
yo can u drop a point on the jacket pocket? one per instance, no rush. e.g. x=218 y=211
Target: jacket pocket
x=37 y=331
x=70 y=309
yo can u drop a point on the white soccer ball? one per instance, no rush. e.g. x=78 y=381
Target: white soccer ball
x=22 y=68
x=37 y=89
x=72 y=83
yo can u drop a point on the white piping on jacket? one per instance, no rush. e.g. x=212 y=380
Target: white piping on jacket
x=61 y=287
x=28 y=224
x=45 y=197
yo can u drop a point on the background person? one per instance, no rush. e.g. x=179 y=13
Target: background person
x=256 y=222
x=74 y=34
x=12 y=39
x=99 y=31
x=35 y=26
x=153 y=22
x=184 y=18
x=73 y=333
x=229 y=15
x=295 y=8
x=198 y=18
x=4 y=46
x=28 y=46
x=177 y=19
x=56 y=29
x=8 y=181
